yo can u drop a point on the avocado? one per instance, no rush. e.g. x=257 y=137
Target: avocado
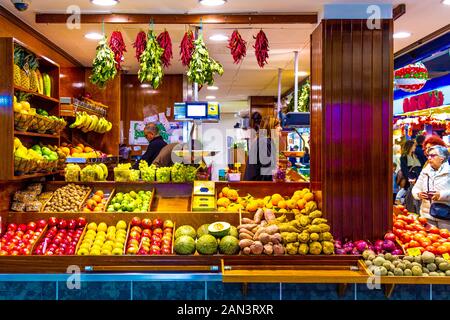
x=219 y=229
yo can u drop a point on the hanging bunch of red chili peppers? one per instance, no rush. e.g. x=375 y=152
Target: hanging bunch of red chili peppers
x=238 y=46
x=166 y=43
x=261 y=48
x=187 y=48
x=140 y=44
x=117 y=46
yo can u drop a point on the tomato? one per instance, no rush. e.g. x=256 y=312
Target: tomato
x=424 y=233
x=409 y=227
x=444 y=233
x=399 y=224
x=434 y=230
x=436 y=244
x=413 y=244
x=441 y=250
x=422 y=249
x=423 y=220
x=418 y=237
x=433 y=237
x=447 y=245
x=406 y=238
x=431 y=249
x=401 y=207
x=418 y=227
x=425 y=242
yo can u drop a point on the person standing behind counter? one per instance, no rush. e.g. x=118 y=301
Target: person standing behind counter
x=155 y=144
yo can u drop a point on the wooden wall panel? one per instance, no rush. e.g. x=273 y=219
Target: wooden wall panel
x=110 y=96
x=72 y=82
x=135 y=98
x=351 y=117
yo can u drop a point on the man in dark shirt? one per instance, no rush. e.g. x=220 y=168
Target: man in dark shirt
x=155 y=144
x=419 y=150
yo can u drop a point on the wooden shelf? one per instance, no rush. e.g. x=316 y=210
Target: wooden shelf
x=36 y=175
x=34 y=134
x=35 y=94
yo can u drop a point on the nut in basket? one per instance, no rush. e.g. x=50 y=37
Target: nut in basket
x=22 y=121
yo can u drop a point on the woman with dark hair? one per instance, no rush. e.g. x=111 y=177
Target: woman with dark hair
x=409 y=163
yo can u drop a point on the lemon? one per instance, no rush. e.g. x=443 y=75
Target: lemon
x=92 y=226
x=102 y=227
x=106 y=252
x=117 y=252
x=121 y=225
x=95 y=252
x=111 y=229
x=83 y=252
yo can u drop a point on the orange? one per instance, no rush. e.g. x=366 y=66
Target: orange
x=292 y=204
x=276 y=198
x=98 y=209
x=260 y=203
x=282 y=204
x=295 y=197
x=301 y=204
x=91 y=204
x=252 y=206
x=99 y=193
x=97 y=199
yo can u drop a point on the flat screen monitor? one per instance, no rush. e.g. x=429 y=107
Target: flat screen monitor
x=179 y=111
x=196 y=110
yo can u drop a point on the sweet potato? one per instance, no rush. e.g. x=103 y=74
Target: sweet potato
x=264 y=223
x=269 y=215
x=246 y=250
x=268 y=249
x=248 y=226
x=258 y=215
x=264 y=238
x=245 y=243
x=278 y=249
x=272 y=229
x=275 y=238
x=257 y=247
x=243 y=236
x=255 y=229
x=248 y=221
x=247 y=231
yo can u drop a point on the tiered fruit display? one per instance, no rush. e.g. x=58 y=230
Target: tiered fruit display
x=87 y=123
x=61 y=238
x=208 y=239
x=97 y=202
x=130 y=202
x=67 y=199
x=81 y=151
x=19 y=239
x=149 y=237
x=424 y=265
x=94 y=172
x=103 y=240
x=413 y=232
x=308 y=233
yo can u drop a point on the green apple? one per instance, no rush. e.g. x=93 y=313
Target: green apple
x=117 y=251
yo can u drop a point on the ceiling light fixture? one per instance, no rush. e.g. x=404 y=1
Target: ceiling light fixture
x=219 y=37
x=212 y=3
x=212 y=88
x=93 y=36
x=402 y=35
x=302 y=73
x=446 y=2
x=105 y=3
x=210 y=97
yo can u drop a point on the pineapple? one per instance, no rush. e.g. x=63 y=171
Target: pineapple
x=34 y=81
x=25 y=72
x=17 y=60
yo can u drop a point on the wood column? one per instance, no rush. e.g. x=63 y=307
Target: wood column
x=351 y=125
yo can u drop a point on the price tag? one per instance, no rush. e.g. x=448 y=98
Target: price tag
x=413 y=252
x=446 y=256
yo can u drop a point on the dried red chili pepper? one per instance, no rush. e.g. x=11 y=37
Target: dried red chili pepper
x=117 y=46
x=166 y=43
x=140 y=44
x=187 y=48
x=238 y=46
x=261 y=48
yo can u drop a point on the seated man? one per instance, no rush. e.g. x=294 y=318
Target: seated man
x=155 y=144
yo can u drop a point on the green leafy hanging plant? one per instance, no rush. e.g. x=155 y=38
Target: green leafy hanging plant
x=150 y=68
x=202 y=68
x=104 y=65
x=303 y=99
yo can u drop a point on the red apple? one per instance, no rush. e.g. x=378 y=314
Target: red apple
x=158 y=223
x=19 y=234
x=15 y=252
x=146 y=223
x=133 y=242
x=168 y=230
x=62 y=224
x=31 y=226
x=25 y=251
x=136 y=228
x=156 y=238
x=3 y=253
x=135 y=235
x=168 y=224
x=53 y=221
x=81 y=222
x=49 y=253
x=136 y=221
x=72 y=224
x=142 y=252
x=166 y=250
x=167 y=236
x=10 y=234
x=12 y=227
x=155 y=252
x=146 y=233
x=38 y=251
x=41 y=223
x=158 y=231
x=166 y=242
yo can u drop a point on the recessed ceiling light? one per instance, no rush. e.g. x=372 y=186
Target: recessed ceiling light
x=210 y=97
x=402 y=35
x=218 y=37
x=212 y=88
x=93 y=36
x=145 y=85
x=212 y=3
x=105 y=3
x=446 y=2
x=303 y=73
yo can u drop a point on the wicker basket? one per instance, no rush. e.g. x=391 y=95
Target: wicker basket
x=57 y=126
x=41 y=124
x=23 y=166
x=22 y=121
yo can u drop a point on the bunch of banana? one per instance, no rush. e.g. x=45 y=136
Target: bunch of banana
x=87 y=123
